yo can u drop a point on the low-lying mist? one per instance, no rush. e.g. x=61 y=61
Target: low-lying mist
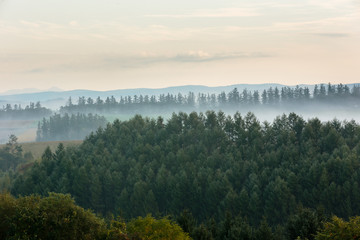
x=26 y=128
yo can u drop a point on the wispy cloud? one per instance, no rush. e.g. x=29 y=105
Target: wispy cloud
x=193 y=56
x=323 y=24
x=201 y=56
x=332 y=35
x=35 y=70
x=329 y=4
x=115 y=62
x=213 y=13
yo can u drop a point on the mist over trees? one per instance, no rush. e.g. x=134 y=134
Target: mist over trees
x=335 y=95
x=31 y=111
x=11 y=155
x=324 y=101
x=68 y=127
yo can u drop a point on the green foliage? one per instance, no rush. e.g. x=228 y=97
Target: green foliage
x=208 y=163
x=186 y=221
x=338 y=229
x=58 y=217
x=52 y=217
x=117 y=230
x=148 y=228
x=304 y=224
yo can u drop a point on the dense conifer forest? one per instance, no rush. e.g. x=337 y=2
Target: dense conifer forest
x=216 y=176
x=68 y=127
x=212 y=169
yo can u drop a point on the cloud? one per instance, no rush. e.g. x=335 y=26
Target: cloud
x=329 y=4
x=146 y=59
x=73 y=23
x=332 y=35
x=200 y=56
x=114 y=62
x=322 y=24
x=34 y=70
x=30 y=24
x=212 y=13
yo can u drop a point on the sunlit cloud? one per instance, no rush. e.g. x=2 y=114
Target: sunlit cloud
x=114 y=62
x=73 y=23
x=185 y=57
x=340 y=23
x=329 y=4
x=213 y=13
x=201 y=56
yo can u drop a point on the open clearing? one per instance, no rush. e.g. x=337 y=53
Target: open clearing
x=25 y=130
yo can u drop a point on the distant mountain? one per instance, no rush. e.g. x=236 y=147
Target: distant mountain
x=56 y=98
x=29 y=90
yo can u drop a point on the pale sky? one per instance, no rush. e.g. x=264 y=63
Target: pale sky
x=113 y=44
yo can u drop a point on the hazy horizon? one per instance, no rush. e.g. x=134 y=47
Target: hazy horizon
x=57 y=89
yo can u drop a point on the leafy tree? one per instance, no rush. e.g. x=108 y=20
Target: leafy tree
x=150 y=228
x=52 y=217
x=338 y=229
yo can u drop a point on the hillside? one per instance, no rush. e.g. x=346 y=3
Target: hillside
x=209 y=164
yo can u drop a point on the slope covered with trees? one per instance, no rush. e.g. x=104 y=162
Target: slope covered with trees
x=209 y=164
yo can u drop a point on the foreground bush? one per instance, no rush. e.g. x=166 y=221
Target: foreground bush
x=58 y=217
x=52 y=217
x=338 y=229
x=150 y=228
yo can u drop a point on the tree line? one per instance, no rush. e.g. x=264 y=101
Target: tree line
x=164 y=102
x=336 y=94
x=68 y=127
x=57 y=217
x=209 y=164
x=33 y=110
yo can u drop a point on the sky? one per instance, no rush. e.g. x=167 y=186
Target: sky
x=113 y=44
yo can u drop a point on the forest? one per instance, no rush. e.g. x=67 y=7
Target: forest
x=336 y=95
x=219 y=176
x=68 y=127
x=31 y=111
x=58 y=217
x=74 y=121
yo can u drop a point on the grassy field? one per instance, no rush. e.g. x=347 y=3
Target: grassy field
x=38 y=148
